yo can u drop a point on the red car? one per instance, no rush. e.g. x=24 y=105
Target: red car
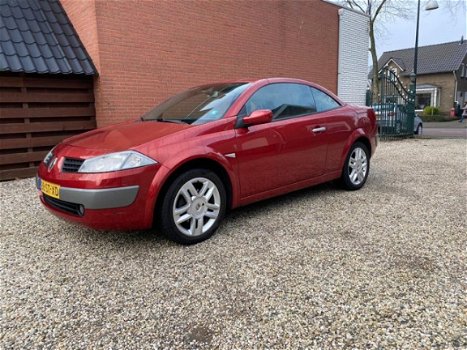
x=204 y=151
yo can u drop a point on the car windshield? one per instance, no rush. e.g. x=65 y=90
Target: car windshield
x=198 y=105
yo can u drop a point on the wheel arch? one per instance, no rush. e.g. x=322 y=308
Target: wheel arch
x=365 y=141
x=196 y=163
x=357 y=136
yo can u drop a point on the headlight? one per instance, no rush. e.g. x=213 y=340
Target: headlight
x=49 y=157
x=114 y=162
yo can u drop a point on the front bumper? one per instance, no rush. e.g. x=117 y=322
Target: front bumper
x=121 y=200
x=107 y=198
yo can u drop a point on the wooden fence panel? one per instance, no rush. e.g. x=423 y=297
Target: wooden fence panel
x=37 y=112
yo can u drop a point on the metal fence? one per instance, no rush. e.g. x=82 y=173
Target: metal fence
x=394 y=108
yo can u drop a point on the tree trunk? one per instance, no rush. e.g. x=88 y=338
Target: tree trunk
x=374 y=59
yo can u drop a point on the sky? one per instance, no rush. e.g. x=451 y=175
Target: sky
x=436 y=26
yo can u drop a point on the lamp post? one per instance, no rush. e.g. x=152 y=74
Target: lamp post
x=431 y=5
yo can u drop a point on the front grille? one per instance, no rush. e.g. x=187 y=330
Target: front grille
x=71 y=165
x=71 y=208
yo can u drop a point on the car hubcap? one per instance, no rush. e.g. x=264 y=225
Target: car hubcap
x=358 y=166
x=196 y=206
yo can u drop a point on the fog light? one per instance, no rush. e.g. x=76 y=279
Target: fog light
x=81 y=210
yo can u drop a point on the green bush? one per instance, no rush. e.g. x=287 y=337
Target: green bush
x=436 y=118
x=430 y=110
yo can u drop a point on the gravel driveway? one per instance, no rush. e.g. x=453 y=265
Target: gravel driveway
x=383 y=267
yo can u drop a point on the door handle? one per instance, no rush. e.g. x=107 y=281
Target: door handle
x=320 y=129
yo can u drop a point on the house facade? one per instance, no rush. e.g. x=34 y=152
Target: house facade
x=442 y=73
x=125 y=57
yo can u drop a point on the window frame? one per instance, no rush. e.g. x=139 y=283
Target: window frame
x=241 y=115
x=330 y=109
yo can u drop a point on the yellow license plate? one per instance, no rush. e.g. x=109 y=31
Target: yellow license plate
x=50 y=189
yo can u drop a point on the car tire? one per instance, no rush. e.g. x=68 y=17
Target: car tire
x=419 y=129
x=193 y=207
x=356 y=167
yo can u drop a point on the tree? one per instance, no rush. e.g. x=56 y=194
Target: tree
x=376 y=10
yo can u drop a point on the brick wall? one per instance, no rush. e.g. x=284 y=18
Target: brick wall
x=445 y=82
x=148 y=50
x=82 y=14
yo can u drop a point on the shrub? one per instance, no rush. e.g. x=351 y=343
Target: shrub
x=436 y=118
x=430 y=110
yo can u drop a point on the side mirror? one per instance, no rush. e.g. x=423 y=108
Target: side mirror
x=261 y=116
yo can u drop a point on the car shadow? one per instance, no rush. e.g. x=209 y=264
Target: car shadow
x=154 y=239
x=257 y=208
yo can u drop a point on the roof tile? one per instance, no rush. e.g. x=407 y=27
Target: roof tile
x=45 y=51
x=23 y=24
x=34 y=50
x=20 y=49
x=28 y=38
x=14 y=63
x=15 y=36
x=4 y=34
x=3 y=61
x=28 y=14
x=9 y=22
x=5 y=10
x=40 y=64
x=64 y=66
x=53 y=66
x=39 y=38
x=17 y=12
x=8 y=48
x=36 y=36
x=57 y=51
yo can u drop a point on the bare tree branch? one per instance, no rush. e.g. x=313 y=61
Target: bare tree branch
x=378 y=9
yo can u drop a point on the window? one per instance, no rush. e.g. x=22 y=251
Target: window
x=285 y=100
x=324 y=102
x=422 y=100
x=198 y=105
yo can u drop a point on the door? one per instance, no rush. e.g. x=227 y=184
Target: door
x=289 y=149
x=339 y=123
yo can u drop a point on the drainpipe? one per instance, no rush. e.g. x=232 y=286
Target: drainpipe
x=455 y=87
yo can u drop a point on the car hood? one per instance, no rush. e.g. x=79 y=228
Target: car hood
x=124 y=136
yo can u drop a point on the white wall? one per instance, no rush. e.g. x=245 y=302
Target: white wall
x=353 y=56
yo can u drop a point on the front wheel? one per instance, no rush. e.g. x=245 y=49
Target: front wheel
x=356 y=167
x=193 y=206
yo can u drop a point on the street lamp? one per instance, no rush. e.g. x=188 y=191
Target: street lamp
x=431 y=5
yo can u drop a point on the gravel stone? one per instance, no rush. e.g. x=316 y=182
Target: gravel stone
x=383 y=267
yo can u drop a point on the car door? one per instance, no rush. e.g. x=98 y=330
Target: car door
x=289 y=149
x=339 y=123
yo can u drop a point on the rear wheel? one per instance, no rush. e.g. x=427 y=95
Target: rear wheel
x=419 y=129
x=193 y=206
x=356 y=167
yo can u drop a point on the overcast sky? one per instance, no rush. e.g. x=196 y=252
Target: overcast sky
x=436 y=26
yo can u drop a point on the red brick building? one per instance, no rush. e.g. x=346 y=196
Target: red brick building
x=145 y=51
x=67 y=66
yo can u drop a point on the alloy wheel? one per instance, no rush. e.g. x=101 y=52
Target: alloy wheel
x=196 y=206
x=358 y=166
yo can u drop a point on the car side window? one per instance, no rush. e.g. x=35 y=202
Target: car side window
x=324 y=102
x=285 y=100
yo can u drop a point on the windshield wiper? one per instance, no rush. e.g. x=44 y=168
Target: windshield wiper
x=176 y=121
